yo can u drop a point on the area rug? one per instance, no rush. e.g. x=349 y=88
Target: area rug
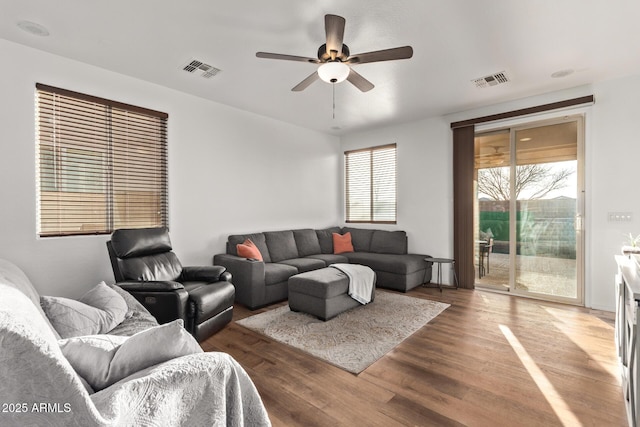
x=354 y=339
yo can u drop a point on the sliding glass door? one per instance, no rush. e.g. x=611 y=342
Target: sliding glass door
x=529 y=209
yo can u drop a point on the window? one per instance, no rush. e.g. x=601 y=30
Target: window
x=371 y=184
x=100 y=164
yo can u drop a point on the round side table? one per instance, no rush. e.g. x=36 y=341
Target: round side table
x=441 y=261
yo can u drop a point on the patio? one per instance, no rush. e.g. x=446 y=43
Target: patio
x=544 y=275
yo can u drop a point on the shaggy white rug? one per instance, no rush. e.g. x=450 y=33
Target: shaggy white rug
x=354 y=339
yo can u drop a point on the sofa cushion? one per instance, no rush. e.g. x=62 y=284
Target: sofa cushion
x=325 y=238
x=277 y=273
x=342 y=243
x=103 y=360
x=249 y=250
x=330 y=258
x=96 y=312
x=360 y=237
x=304 y=264
x=307 y=242
x=257 y=238
x=397 y=264
x=325 y=283
x=389 y=242
x=281 y=244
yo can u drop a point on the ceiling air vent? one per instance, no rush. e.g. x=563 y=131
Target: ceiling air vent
x=491 y=80
x=207 y=71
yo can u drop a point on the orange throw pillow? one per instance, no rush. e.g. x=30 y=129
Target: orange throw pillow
x=248 y=249
x=342 y=243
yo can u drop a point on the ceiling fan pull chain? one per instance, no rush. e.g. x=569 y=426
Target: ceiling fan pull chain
x=333 y=85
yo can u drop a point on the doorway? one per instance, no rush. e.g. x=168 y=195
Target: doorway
x=528 y=209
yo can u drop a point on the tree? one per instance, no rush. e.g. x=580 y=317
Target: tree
x=538 y=181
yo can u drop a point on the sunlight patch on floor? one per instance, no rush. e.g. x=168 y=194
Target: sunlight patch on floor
x=557 y=403
x=485 y=299
x=565 y=326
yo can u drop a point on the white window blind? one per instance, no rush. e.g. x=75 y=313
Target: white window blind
x=101 y=165
x=371 y=184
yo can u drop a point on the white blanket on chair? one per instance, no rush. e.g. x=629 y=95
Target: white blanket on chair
x=201 y=389
x=362 y=280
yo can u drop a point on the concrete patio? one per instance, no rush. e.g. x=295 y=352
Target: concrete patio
x=543 y=275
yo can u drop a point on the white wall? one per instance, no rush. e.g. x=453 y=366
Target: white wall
x=613 y=178
x=612 y=158
x=229 y=171
x=424 y=181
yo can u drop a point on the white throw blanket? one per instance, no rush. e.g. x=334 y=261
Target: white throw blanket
x=40 y=387
x=362 y=280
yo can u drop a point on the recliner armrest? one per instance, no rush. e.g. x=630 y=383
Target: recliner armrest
x=155 y=286
x=165 y=300
x=226 y=276
x=207 y=273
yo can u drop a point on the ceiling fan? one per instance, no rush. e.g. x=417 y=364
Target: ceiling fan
x=336 y=60
x=492 y=159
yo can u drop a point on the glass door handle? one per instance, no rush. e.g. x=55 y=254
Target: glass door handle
x=578 y=222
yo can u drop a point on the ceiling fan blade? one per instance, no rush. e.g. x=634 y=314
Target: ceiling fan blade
x=306 y=82
x=360 y=82
x=404 y=52
x=268 y=55
x=334 y=27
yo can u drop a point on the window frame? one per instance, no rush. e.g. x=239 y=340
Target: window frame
x=372 y=185
x=121 y=188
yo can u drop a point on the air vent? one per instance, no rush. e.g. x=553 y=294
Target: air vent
x=492 y=80
x=206 y=71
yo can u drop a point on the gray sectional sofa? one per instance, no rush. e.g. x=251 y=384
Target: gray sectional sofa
x=289 y=252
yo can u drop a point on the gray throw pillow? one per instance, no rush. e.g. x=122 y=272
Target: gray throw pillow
x=103 y=360
x=96 y=312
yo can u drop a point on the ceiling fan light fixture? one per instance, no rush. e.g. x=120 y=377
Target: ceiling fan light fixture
x=333 y=72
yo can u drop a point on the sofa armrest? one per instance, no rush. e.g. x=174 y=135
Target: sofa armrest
x=207 y=273
x=248 y=278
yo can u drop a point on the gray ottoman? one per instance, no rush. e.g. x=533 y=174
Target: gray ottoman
x=323 y=293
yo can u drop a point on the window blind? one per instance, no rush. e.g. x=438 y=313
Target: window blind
x=371 y=185
x=101 y=165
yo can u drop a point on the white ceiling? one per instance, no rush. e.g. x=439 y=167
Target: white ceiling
x=454 y=42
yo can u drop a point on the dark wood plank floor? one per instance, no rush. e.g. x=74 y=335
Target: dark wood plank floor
x=488 y=360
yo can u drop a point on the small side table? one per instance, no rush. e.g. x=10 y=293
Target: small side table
x=441 y=261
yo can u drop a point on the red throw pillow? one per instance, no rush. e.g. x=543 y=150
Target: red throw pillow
x=342 y=243
x=248 y=249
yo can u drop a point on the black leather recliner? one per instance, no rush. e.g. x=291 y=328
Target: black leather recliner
x=145 y=266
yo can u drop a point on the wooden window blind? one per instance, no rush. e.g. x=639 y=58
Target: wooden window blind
x=371 y=185
x=101 y=165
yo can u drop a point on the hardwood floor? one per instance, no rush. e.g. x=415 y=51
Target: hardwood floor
x=488 y=360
